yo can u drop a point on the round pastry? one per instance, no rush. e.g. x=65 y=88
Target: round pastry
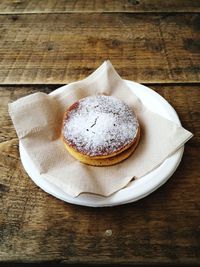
x=100 y=130
x=104 y=161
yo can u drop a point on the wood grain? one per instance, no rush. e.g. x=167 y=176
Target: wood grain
x=60 y=48
x=161 y=228
x=63 y=6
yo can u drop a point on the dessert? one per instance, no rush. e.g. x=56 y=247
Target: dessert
x=100 y=130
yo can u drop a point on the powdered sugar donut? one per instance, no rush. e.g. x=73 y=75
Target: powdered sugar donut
x=99 y=127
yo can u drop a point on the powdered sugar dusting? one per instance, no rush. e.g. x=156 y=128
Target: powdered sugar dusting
x=100 y=125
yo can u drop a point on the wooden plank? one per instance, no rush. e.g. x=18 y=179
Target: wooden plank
x=63 y=6
x=161 y=228
x=60 y=48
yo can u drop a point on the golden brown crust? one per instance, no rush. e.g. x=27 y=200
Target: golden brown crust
x=104 y=161
x=75 y=151
x=72 y=146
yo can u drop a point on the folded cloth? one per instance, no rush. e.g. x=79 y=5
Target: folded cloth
x=37 y=119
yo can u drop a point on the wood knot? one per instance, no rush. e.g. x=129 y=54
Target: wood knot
x=108 y=233
x=14 y=18
x=134 y=2
x=192 y=45
x=115 y=43
x=3 y=188
x=50 y=46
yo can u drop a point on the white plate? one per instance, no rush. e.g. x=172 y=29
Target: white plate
x=135 y=190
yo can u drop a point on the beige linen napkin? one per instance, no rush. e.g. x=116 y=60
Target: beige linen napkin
x=38 y=119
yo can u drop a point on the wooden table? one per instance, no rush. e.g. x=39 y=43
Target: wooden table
x=44 y=44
